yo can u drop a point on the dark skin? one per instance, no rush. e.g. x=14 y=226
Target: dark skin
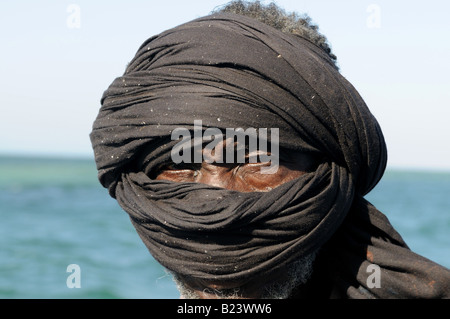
x=242 y=177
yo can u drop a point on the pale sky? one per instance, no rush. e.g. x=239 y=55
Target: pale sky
x=59 y=56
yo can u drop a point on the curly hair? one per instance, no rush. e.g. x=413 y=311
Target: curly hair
x=271 y=14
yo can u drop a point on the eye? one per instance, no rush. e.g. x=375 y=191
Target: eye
x=265 y=176
x=182 y=172
x=259 y=171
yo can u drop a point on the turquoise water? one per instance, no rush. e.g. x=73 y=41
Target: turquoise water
x=55 y=213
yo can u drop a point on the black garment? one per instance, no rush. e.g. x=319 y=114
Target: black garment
x=231 y=71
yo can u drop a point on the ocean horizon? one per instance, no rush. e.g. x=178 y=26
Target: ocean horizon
x=56 y=214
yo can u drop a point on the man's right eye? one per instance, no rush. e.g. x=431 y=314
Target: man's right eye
x=182 y=172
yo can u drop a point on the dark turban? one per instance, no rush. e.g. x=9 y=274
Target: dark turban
x=235 y=72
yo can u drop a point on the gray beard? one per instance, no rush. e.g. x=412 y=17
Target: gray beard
x=298 y=273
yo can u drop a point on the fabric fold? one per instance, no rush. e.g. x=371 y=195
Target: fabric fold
x=234 y=72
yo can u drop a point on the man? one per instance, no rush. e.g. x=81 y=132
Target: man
x=274 y=209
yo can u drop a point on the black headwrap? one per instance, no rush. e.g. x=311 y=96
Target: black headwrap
x=234 y=72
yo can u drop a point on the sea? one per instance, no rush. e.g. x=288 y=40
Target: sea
x=63 y=237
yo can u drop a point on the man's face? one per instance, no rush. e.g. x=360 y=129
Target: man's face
x=242 y=177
